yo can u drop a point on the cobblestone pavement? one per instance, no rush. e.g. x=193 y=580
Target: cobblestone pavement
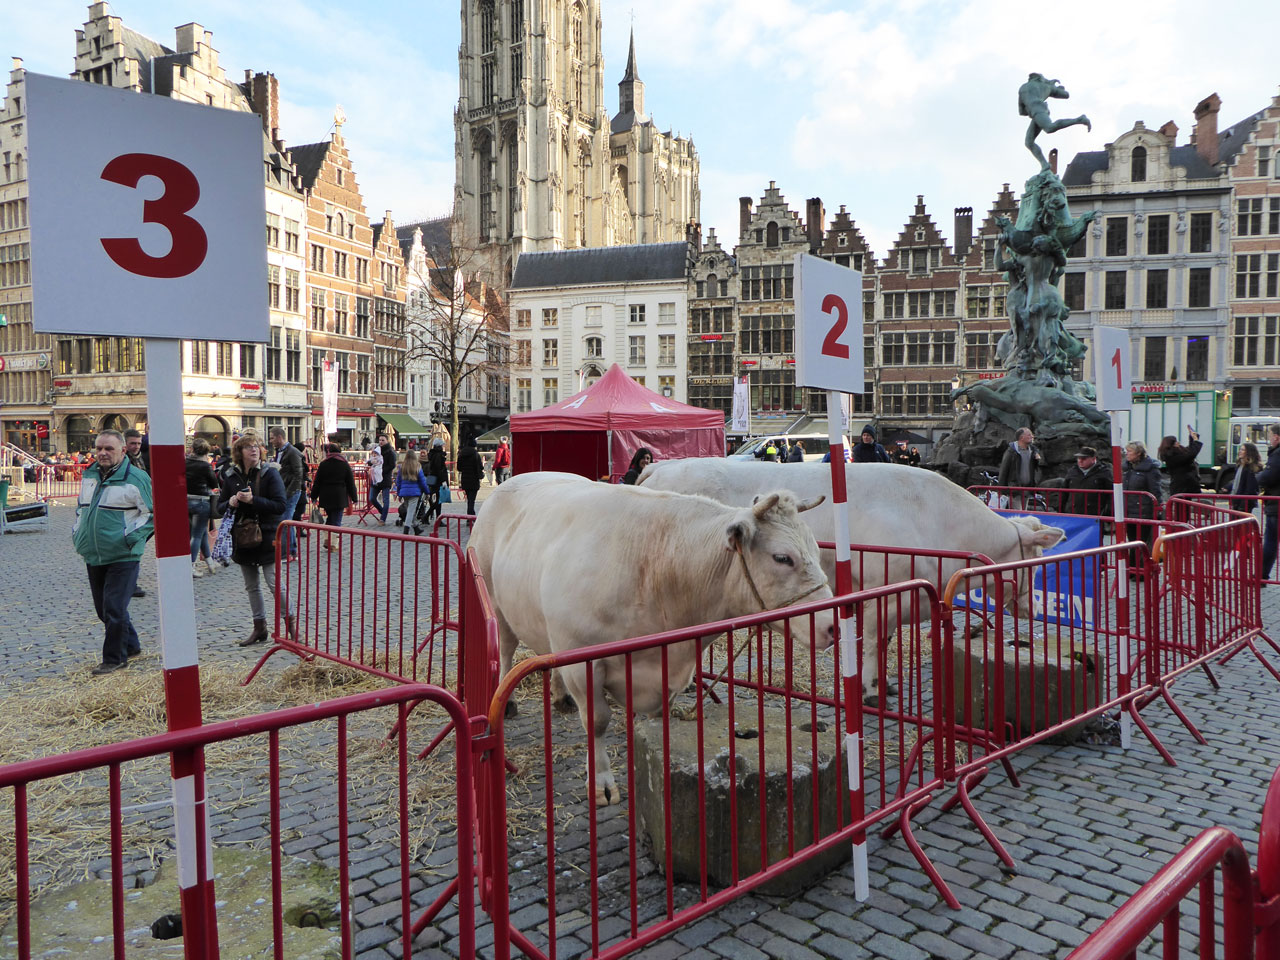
x=1087 y=827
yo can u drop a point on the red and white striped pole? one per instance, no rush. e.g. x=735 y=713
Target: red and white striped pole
x=1122 y=571
x=167 y=437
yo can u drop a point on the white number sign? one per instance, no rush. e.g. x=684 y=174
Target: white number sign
x=1112 y=372
x=828 y=325
x=147 y=215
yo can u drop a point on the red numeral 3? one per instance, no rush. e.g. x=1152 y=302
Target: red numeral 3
x=181 y=193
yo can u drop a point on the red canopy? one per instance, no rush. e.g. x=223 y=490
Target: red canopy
x=595 y=432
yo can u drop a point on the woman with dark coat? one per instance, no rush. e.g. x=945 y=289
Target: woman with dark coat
x=1142 y=474
x=1184 y=474
x=642 y=458
x=470 y=470
x=437 y=476
x=256 y=493
x=334 y=486
x=200 y=484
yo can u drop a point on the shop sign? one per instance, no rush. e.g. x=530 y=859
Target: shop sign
x=24 y=361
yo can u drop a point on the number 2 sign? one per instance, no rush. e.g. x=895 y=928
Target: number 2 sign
x=147 y=215
x=828 y=325
x=1112 y=370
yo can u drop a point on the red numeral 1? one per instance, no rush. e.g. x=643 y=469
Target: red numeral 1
x=189 y=244
x=1115 y=362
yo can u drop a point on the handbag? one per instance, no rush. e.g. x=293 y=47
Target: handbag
x=246 y=533
x=445 y=495
x=221 y=552
x=214 y=512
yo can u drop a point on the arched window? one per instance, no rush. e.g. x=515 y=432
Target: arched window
x=713 y=284
x=771 y=235
x=484 y=178
x=1138 y=165
x=577 y=31
x=342 y=225
x=487 y=32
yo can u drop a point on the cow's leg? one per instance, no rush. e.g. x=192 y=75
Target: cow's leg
x=560 y=698
x=507 y=643
x=575 y=680
x=876 y=631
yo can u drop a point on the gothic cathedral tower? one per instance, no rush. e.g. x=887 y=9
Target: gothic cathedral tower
x=539 y=164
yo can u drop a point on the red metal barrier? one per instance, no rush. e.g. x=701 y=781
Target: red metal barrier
x=1249 y=915
x=453 y=526
x=59 y=480
x=1142 y=510
x=291 y=788
x=1201 y=509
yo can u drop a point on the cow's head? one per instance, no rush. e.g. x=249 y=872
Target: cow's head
x=1034 y=538
x=780 y=564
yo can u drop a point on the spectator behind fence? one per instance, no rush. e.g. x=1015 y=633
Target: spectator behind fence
x=866 y=450
x=113 y=523
x=1184 y=472
x=334 y=488
x=293 y=471
x=388 y=477
x=1141 y=473
x=1244 y=485
x=1269 y=483
x=133 y=448
x=639 y=460
x=914 y=456
x=411 y=485
x=1089 y=477
x=256 y=493
x=201 y=483
x=900 y=455
x=1020 y=466
x=437 y=476
x=797 y=452
x=470 y=470
x=501 y=461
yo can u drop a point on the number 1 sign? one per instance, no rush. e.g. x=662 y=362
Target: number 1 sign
x=147 y=215
x=828 y=325
x=1112 y=372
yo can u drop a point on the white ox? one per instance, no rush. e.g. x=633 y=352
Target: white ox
x=571 y=563
x=889 y=505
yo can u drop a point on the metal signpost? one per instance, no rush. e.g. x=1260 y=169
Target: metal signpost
x=1113 y=376
x=829 y=356
x=146 y=221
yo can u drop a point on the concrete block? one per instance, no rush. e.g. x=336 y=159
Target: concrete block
x=688 y=827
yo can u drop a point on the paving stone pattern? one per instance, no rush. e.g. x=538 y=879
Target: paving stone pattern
x=1087 y=827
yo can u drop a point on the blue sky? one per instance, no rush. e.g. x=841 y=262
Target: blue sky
x=864 y=104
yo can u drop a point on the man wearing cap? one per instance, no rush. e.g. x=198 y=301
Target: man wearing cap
x=1088 y=475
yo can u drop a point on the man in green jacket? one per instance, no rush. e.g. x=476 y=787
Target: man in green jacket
x=113 y=524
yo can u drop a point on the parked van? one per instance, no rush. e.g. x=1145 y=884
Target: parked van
x=815 y=445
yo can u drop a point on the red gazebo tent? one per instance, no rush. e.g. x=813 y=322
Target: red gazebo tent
x=595 y=432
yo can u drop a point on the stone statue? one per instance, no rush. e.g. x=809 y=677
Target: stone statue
x=1033 y=99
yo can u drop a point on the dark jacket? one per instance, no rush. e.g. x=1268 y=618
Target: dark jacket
x=470 y=468
x=1244 y=498
x=796 y=455
x=1269 y=481
x=436 y=465
x=1089 y=504
x=267 y=508
x=1143 y=475
x=1011 y=466
x=868 y=453
x=293 y=470
x=1184 y=475
x=388 y=464
x=200 y=479
x=334 y=486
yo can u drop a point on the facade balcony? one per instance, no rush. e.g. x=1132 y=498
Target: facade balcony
x=1115 y=318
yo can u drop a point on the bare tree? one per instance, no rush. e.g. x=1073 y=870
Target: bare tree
x=456 y=320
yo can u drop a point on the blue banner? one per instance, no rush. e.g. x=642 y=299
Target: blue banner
x=1061 y=592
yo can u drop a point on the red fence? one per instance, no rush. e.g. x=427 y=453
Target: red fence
x=1246 y=916
x=58 y=480
x=287 y=790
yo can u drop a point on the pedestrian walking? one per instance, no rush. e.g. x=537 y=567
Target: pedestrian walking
x=257 y=494
x=373 y=468
x=201 y=484
x=797 y=452
x=470 y=470
x=293 y=472
x=1269 y=483
x=437 y=472
x=388 y=476
x=501 y=461
x=411 y=485
x=334 y=488
x=113 y=524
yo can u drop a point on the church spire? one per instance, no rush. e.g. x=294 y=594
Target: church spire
x=630 y=93
x=631 y=74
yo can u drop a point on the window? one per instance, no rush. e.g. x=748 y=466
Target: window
x=273 y=286
x=1153 y=364
x=977 y=302
x=362 y=318
x=550 y=391
x=895 y=306
x=273 y=230
x=635 y=351
x=1268 y=398
x=979 y=350
x=317 y=258
x=274 y=368
x=1197 y=358
x=771 y=235
x=291 y=231
x=517 y=67
x=1138 y=165
x=317 y=309
x=1073 y=291
x=1264 y=161
x=918 y=303
x=1117 y=236
x=1158 y=235
x=766 y=334
x=1201 y=239
x=1249 y=275
x=551 y=317
x=1199 y=281
x=224 y=360
x=594 y=347
x=362 y=273
x=710 y=320
x=84 y=355
x=666 y=313
x=550 y=353
x=1249 y=217
x=916 y=399
x=1256 y=342
x=523 y=321
x=1078 y=249
x=667 y=350
x=667 y=386
x=101 y=355
x=524 y=394
x=248 y=360
x=636 y=311
x=341 y=314
x=293 y=356
x=339 y=263
x=989 y=245
x=292 y=291
x=1273 y=275
x=1114 y=290
x=767 y=283
x=524 y=353
x=317 y=365
x=361 y=385
x=774 y=390
x=893 y=349
x=944 y=303
x=65 y=362
x=199 y=356
x=1157 y=289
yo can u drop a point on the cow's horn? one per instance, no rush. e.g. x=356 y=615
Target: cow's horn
x=764 y=506
x=810 y=504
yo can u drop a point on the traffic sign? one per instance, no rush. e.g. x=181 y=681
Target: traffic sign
x=828 y=325
x=154 y=208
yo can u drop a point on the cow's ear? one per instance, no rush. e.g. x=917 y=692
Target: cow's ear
x=737 y=536
x=1047 y=537
x=810 y=504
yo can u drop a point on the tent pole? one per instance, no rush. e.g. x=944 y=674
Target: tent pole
x=609 y=440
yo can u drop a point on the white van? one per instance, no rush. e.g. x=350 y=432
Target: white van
x=815 y=445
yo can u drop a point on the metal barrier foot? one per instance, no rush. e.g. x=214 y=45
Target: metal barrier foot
x=1177 y=712
x=1132 y=708
x=1209 y=673
x=904 y=824
x=275 y=648
x=430 y=913
x=1263 y=660
x=961 y=797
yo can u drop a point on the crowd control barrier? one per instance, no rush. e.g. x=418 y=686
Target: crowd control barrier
x=1205 y=508
x=311 y=798
x=58 y=481
x=1240 y=913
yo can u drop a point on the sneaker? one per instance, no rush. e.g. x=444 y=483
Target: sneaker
x=196 y=570
x=102 y=669
x=139 y=592
x=213 y=567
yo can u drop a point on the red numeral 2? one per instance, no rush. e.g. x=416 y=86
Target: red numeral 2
x=189 y=244
x=831 y=345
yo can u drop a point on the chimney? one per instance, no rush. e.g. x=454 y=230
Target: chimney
x=266 y=101
x=964 y=230
x=1053 y=161
x=1206 y=132
x=815 y=222
x=188 y=36
x=1170 y=130
x=744 y=216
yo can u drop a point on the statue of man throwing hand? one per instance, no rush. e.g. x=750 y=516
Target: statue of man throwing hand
x=1033 y=99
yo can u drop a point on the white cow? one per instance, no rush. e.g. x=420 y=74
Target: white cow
x=889 y=505
x=571 y=563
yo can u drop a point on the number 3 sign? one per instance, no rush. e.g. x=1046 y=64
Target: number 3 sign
x=147 y=215
x=828 y=325
x=1112 y=371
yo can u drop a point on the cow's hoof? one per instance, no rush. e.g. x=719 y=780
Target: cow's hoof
x=565 y=704
x=871 y=701
x=511 y=709
x=608 y=794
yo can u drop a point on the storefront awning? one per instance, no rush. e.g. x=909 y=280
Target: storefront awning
x=405 y=425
